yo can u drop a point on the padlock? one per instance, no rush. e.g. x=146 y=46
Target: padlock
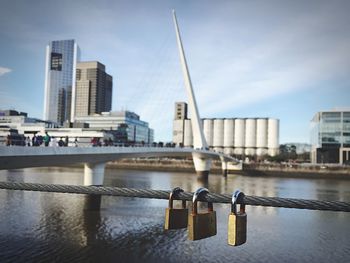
x=176 y=218
x=201 y=225
x=237 y=221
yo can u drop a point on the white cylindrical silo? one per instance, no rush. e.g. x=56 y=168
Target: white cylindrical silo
x=188 y=137
x=261 y=133
x=239 y=133
x=228 y=150
x=218 y=132
x=229 y=129
x=208 y=131
x=273 y=137
x=272 y=151
x=250 y=151
x=238 y=151
x=273 y=133
x=250 y=133
x=261 y=151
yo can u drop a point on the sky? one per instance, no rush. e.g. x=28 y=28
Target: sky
x=277 y=59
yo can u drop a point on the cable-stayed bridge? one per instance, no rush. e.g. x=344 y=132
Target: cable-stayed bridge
x=93 y=158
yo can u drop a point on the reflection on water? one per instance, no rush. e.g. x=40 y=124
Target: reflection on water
x=57 y=227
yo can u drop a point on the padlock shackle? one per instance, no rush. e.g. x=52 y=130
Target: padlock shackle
x=197 y=193
x=174 y=193
x=237 y=196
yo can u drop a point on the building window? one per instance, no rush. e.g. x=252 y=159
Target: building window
x=56 y=61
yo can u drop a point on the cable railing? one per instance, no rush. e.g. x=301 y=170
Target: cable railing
x=338 y=206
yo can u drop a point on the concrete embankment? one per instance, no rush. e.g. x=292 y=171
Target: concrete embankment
x=256 y=169
x=297 y=170
x=171 y=165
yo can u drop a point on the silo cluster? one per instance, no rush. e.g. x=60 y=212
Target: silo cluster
x=239 y=136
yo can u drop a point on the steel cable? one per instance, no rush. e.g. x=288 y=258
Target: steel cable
x=163 y=194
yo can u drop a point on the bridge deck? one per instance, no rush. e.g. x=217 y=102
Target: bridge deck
x=22 y=157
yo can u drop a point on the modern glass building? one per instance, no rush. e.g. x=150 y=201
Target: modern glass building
x=123 y=122
x=330 y=137
x=59 y=98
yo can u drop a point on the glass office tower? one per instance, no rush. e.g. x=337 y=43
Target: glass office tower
x=330 y=137
x=61 y=59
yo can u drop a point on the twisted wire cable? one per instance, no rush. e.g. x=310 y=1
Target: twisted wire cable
x=164 y=194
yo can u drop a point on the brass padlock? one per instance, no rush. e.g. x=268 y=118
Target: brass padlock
x=201 y=225
x=176 y=218
x=237 y=222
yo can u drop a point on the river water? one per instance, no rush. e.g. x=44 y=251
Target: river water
x=47 y=227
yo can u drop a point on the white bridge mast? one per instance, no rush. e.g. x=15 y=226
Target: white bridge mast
x=202 y=165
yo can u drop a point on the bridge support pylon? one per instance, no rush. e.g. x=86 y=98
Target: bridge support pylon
x=202 y=166
x=223 y=166
x=94 y=173
x=224 y=169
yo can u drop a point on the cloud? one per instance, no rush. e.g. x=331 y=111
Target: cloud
x=4 y=70
x=293 y=58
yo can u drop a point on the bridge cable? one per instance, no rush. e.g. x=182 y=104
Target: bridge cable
x=163 y=194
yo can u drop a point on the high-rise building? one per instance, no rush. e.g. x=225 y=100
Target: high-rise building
x=61 y=59
x=93 y=89
x=330 y=137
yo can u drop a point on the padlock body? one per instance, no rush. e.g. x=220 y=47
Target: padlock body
x=237 y=229
x=201 y=225
x=176 y=218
